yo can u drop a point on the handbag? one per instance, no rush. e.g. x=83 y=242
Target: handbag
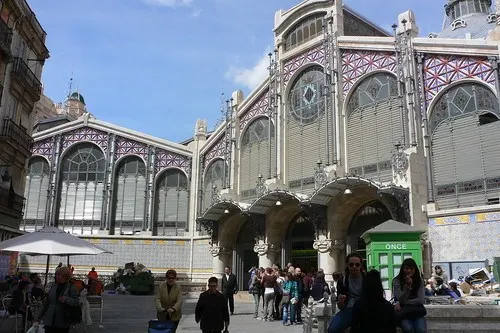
x=410 y=312
x=285 y=299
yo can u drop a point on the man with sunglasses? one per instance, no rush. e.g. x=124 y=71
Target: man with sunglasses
x=168 y=300
x=348 y=292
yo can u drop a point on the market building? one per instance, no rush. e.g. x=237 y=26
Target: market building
x=353 y=127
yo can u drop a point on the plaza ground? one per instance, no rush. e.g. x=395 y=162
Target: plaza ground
x=131 y=314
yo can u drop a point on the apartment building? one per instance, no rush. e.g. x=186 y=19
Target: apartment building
x=22 y=56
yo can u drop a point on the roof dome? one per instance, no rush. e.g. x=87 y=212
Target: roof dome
x=468 y=19
x=77 y=96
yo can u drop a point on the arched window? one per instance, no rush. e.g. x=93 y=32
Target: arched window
x=172 y=202
x=465 y=136
x=129 y=196
x=306 y=127
x=36 y=191
x=307 y=96
x=307 y=29
x=374 y=125
x=254 y=160
x=214 y=176
x=81 y=189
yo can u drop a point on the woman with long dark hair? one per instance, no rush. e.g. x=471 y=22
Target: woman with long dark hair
x=409 y=293
x=372 y=313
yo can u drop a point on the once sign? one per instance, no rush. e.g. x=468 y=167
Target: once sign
x=395 y=246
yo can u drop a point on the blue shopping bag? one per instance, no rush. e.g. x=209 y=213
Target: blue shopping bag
x=157 y=326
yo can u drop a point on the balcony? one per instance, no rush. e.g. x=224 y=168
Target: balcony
x=11 y=203
x=16 y=136
x=24 y=80
x=5 y=39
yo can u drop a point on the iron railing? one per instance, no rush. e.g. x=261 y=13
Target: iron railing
x=5 y=37
x=21 y=70
x=16 y=133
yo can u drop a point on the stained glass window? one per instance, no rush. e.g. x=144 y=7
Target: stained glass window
x=463 y=99
x=307 y=96
x=257 y=131
x=379 y=87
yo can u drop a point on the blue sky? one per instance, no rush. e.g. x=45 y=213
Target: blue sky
x=157 y=65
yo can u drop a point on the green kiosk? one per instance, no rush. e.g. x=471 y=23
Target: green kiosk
x=388 y=244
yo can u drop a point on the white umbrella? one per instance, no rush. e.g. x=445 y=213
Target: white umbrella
x=50 y=241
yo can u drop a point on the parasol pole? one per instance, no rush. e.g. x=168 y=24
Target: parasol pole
x=47 y=270
x=68 y=260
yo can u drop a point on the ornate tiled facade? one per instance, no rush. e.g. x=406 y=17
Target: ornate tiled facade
x=472 y=237
x=166 y=159
x=215 y=151
x=314 y=55
x=125 y=147
x=259 y=108
x=357 y=63
x=85 y=134
x=442 y=70
x=44 y=148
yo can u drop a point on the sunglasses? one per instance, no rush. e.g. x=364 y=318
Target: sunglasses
x=351 y=264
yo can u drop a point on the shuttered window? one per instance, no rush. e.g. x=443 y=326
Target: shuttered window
x=304 y=31
x=36 y=191
x=129 y=195
x=465 y=139
x=255 y=156
x=374 y=125
x=81 y=189
x=306 y=129
x=212 y=182
x=172 y=201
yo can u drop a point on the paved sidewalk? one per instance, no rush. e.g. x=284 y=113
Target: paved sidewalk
x=130 y=314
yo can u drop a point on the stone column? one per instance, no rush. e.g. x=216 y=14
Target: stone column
x=222 y=257
x=268 y=253
x=326 y=258
x=338 y=253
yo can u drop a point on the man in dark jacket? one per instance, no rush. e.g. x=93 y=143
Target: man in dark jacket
x=348 y=292
x=229 y=287
x=211 y=310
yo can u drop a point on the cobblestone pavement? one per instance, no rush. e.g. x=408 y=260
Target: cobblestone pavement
x=130 y=314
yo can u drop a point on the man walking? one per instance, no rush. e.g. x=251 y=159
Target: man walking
x=229 y=287
x=211 y=310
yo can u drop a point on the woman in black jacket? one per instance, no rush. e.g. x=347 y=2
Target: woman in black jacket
x=373 y=313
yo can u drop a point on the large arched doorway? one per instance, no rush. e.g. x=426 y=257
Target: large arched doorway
x=367 y=217
x=298 y=244
x=244 y=256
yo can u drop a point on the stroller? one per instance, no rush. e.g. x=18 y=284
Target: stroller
x=157 y=326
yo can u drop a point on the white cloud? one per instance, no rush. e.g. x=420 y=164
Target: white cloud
x=168 y=3
x=250 y=77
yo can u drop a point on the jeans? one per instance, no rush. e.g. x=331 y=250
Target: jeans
x=268 y=305
x=286 y=310
x=414 y=325
x=341 y=321
x=256 y=300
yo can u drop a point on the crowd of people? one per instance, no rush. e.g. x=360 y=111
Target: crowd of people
x=279 y=294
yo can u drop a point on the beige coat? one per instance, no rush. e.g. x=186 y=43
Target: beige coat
x=165 y=300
